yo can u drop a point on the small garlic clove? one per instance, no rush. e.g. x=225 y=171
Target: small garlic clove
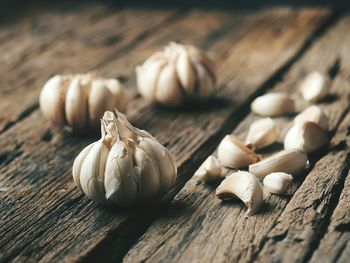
x=98 y=96
x=307 y=136
x=76 y=104
x=315 y=86
x=273 y=104
x=234 y=154
x=262 y=133
x=186 y=72
x=204 y=81
x=246 y=187
x=119 y=98
x=278 y=183
x=209 y=171
x=78 y=163
x=168 y=90
x=314 y=114
x=288 y=161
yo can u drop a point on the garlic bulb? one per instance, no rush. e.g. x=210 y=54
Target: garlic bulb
x=273 y=104
x=278 y=183
x=244 y=186
x=79 y=101
x=176 y=73
x=234 y=154
x=209 y=171
x=307 y=136
x=262 y=133
x=125 y=167
x=314 y=114
x=315 y=86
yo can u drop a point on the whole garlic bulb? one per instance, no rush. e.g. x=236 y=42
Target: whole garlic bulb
x=125 y=167
x=176 y=73
x=79 y=101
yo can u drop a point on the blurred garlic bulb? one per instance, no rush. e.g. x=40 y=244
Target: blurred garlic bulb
x=307 y=136
x=126 y=166
x=79 y=101
x=273 y=104
x=177 y=73
x=314 y=114
x=262 y=133
x=315 y=86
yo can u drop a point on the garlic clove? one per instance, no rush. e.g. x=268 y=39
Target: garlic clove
x=205 y=82
x=246 y=187
x=314 y=114
x=288 y=161
x=307 y=136
x=52 y=100
x=97 y=98
x=234 y=154
x=273 y=104
x=78 y=162
x=186 y=72
x=76 y=104
x=278 y=183
x=168 y=91
x=315 y=86
x=209 y=171
x=119 y=96
x=262 y=133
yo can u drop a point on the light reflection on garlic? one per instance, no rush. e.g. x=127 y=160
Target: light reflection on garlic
x=262 y=133
x=273 y=104
x=315 y=86
x=277 y=183
x=209 y=171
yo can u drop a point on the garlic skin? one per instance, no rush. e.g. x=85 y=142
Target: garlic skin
x=244 y=186
x=277 y=183
x=307 y=136
x=262 y=133
x=209 y=171
x=79 y=101
x=272 y=104
x=288 y=161
x=233 y=153
x=176 y=73
x=314 y=114
x=314 y=87
x=127 y=166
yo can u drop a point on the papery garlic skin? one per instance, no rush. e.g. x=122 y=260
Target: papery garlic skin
x=234 y=154
x=209 y=171
x=273 y=104
x=288 y=161
x=278 y=183
x=177 y=73
x=79 y=101
x=127 y=166
x=307 y=136
x=315 y=86
x=262 y=133
x=314 y=114
x=244 y=186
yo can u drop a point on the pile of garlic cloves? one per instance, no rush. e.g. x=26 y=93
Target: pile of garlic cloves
x=273 y=174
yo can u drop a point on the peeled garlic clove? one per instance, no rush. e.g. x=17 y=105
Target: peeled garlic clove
x=278 y=183
x=273 y=104
x=262 y=133
x=314 y=87
x=234 y=154
x=246 y=187
x=287 y=161
x=209 y=171
x=307 y=136
x=314 y=114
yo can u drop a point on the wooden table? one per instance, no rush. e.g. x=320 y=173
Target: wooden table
x=45 y=218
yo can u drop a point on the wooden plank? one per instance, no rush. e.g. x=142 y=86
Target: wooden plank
x=199 y=228
x=57 y=222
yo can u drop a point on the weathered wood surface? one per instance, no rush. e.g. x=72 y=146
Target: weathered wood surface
x=45 y=218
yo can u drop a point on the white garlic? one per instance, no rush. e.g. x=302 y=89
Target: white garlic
x=125 y=167
x=273 y=104
x=177 y=73
x=79 y=101
x=234 y=154
x=246 y=187
x=287 y=161
x=209 y=171
x=307 y=136
x=315 y=114
x=315 y=86
x=277 y=183
x=262 y=133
